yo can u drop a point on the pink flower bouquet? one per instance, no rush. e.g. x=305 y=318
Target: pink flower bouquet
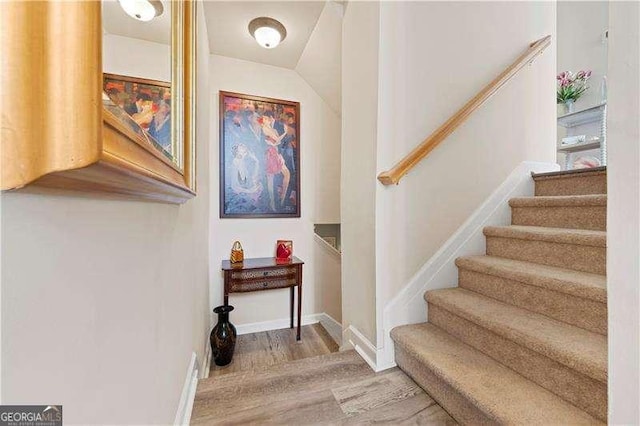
x=570 y=86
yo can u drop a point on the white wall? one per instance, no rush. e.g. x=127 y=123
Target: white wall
x=360 y=32
x=103 y=302
x=433 y=57
x=423 y=82
x=327 y=267
x=320 y=66
x=321 y=61
x=581 y=26
x=151 y=60
x=319 y=136
x=623 y=217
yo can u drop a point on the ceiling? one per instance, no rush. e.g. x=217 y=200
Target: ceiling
x=227 y=23
x=321 y=62
x=116 y=21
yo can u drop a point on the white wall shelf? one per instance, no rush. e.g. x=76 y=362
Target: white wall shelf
x=589 y=117
x=579 y=118
x=583 y=146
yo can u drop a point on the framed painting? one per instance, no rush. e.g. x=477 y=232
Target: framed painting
x=259 y=157
x=148 y=104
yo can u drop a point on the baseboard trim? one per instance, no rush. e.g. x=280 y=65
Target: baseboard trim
x=257 y=327
x=331 y=250
x=188 y=395
x=207 y=361
x=353 y=338
x=333 y=327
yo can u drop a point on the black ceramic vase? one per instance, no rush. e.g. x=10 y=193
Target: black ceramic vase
x=223 y=337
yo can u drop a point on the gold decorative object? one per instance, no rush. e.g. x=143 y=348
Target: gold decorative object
x=237 y=254
x=84 y=146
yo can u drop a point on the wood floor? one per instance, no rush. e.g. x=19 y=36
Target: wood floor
x=334 y=388
x=259 y=350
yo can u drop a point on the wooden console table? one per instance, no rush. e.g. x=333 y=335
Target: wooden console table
x=264 y=274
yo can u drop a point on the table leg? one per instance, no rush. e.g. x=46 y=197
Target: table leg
x=299 y=302
x=291 y=289
x=227 y=278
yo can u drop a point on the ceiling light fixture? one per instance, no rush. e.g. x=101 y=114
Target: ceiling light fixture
x=142 y=10
x=267 y=31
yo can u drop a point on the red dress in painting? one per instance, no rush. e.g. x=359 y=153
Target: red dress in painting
x=274 y=159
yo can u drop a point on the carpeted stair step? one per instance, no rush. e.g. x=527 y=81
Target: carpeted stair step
x=572 y=182
x=474 y=388
x=577 y=249
x=577 y=298
x=566 y=360
x=571 y=212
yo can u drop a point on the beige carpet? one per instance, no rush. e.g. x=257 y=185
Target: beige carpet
x=522 y=339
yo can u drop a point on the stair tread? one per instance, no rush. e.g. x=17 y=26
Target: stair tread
x=568 y=281
x=564 y=174
x=560 y=201
x=579 y=349
x=498 y=391
x=555 y=235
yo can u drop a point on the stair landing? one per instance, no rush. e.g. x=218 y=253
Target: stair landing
x=339 y=388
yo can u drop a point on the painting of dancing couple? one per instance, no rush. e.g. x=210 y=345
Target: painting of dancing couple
x=147 y=103
x=259 y=157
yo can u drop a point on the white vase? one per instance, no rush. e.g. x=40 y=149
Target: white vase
x=569 y=106
x=603 y=89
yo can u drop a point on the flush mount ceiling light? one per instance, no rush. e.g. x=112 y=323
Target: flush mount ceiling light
x=142 y=10
x=267 y=31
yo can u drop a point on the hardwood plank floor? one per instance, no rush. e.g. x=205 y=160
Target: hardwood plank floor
x=277 y=381
x=260 y=350
x=375 y=392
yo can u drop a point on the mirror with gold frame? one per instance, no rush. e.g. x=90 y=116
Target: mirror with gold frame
x=104 y=143
x=136 y=67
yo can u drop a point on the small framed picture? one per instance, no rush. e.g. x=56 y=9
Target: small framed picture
x=284 y=250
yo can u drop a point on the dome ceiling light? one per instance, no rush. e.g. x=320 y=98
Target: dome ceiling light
x=267 y=31
x=142 y=10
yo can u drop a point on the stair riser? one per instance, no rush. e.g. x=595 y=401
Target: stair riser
x=456 y=404
x=582 y=217
x=577 y=311
x=574 y=256
x=580 y=390
x=572 y=185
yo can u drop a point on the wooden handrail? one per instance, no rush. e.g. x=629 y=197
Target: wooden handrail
x=408 y=162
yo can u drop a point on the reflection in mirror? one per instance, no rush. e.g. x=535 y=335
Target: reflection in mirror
x=137 y=68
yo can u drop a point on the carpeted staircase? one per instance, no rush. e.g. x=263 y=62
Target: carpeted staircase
x=523 y=338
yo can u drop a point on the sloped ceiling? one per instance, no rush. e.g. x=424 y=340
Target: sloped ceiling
x=227 y=23
x=320 y=64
